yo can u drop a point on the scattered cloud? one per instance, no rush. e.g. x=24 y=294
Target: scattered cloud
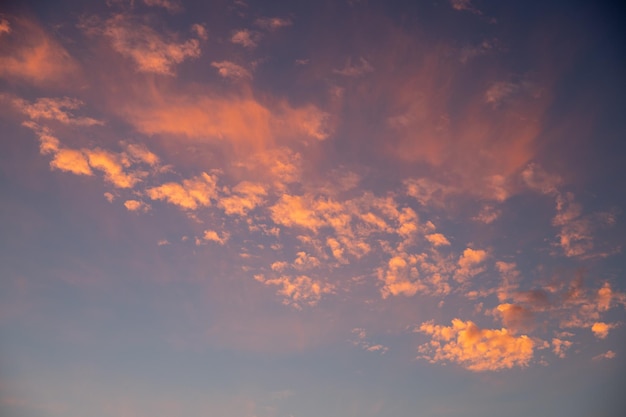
x=213 y=236
x=361 y=341
x=231 y=70
x=601 y=329
x=136 y=205
x=299 y=291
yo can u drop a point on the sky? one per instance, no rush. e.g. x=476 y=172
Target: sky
x=339 y=208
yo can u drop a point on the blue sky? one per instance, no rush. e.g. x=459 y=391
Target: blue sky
x=304 y=209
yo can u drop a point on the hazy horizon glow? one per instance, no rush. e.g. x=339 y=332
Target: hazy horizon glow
x=304 y=209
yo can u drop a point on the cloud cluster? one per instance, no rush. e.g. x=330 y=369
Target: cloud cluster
x=474 y=348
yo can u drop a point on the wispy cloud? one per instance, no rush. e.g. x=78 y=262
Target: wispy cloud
x=34 y=55
x=273 y=23
x=151 y=51
x=231 y=70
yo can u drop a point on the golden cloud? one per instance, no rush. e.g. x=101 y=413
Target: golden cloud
x=474 y=348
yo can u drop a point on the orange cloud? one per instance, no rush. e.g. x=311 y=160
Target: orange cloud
x=474 y=348
x=112 y=165
x=469 y=263
x=33 y=55
x=245 y=197
x=237 y=123
x=296 y=211
x=136 y=205
x=211 y=235
x=437 y=239
x=399 y=278
x=601 y=329
x=189 y=195
x=71 y=160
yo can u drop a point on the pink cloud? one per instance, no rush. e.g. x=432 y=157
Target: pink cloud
x=34 y=55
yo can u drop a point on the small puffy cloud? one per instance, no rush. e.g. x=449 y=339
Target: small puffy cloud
x=71 y=160
x=559 y=346
x=136 y=205
x=437 y=239
x=355 y=70
x=213 y=236
x=151 y=51
x=112 y=165
x=609 y=354
x=109 y=197
x=188 y=195
x=469 y=263
x=55 y=109
x=163 y=242
x=231 y=70
x=400 y=278
x=298 y=291
x=474 y=348
x=272 y=23
x=601 y=329
x=245 y=38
